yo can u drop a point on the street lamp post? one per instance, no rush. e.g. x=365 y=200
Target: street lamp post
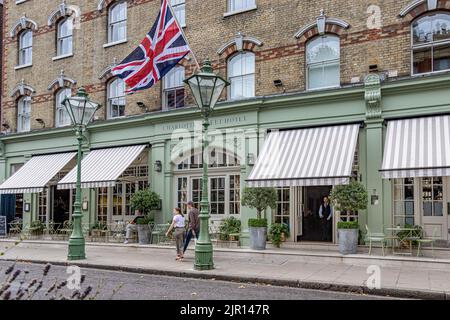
x=206 y=88
x=81 y=111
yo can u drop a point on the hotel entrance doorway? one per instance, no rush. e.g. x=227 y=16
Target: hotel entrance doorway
x=315 y=228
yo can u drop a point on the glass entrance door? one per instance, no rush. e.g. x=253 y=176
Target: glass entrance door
x=314 y=228
x=434 y=207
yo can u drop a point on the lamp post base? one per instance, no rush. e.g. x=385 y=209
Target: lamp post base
x=76 y=249
x=203 y=257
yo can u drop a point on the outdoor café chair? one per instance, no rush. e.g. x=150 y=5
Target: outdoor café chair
x=15 y=227
x=369 y=237
x=159 y=231
x=425 y=240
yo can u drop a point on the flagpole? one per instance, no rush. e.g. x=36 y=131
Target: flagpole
x=182 y=34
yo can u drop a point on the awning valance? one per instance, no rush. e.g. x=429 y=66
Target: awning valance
x=417 y=148
x=34 y=175
x=306 y=157
x=102 y=167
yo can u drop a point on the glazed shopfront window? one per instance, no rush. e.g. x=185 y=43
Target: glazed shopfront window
x=404 y=201
x=433 y=197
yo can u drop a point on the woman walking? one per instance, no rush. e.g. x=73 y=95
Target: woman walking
x=178 y=224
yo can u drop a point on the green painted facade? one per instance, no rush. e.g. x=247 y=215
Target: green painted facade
x=370 y=104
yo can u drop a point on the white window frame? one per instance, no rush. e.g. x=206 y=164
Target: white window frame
x=111 y=98
x=24 y=114
x=431 y=45
x=244 y=77
x=400 y=183
x=179 y=9
x=25 y=52
x=232 y=4
x=60 y=109
x=324 y=63
x=167 y=88
x=62 y=38
x=112 y=25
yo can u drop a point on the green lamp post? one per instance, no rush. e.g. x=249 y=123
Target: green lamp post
x=206 y=88
x=81 y=110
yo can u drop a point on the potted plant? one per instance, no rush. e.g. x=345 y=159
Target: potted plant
x=259 y=199
x=349 y=198
x=144 y=201
x=229 y=228
x=278 y=233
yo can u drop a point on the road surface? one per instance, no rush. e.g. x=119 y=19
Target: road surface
x=117 y=285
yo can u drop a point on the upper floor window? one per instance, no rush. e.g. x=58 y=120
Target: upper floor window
x=65 y=37
x=241 y=74
x=431 y=43
x=62 y=117
x=240 y=5
x=117 y=25
x=26 y=47
x=23 y=114
x=323 y=62
x=116 y=98
x=174 y=88
x=179 y=8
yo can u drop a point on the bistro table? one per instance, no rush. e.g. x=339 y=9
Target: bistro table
x=404 y=240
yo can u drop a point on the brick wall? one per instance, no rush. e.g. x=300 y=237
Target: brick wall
x=281 y=56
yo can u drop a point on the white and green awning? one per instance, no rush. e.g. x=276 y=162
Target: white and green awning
x=102 y=167
x=417 y=147
x=35 y=174
x=306 y=157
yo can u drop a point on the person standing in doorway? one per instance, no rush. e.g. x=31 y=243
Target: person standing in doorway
x=194 y=224
x=326 y=217
x=179 y=225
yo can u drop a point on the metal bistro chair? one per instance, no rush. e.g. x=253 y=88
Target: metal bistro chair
x=381 y=239
x=427 y=240
x=159 y=231
x=15 y=227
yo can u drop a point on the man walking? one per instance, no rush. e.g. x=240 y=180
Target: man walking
x=194 y=224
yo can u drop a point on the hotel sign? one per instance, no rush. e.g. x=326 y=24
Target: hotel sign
x=215 y=122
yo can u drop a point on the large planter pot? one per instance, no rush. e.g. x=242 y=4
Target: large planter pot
x=258 y=237
x=348 y=241
x=143 y=231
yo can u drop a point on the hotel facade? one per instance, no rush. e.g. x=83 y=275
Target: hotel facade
x=321 y=93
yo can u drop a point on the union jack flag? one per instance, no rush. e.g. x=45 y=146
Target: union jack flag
x=162 y=48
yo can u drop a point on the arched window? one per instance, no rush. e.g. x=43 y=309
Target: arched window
x=174 y=88
x=241 y=74
x=65 y=37
x=323 y=62
x=26 y=48
x=116 y=98
x=117 y=23
x=23 y=114
x=431 y=43
x=62 y=118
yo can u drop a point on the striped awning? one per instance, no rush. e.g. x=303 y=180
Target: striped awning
x=34 y=175
x=417 y=148
x=306 y=157
x=102 y=167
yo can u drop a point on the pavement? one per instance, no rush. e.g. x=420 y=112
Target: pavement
x=406 y=277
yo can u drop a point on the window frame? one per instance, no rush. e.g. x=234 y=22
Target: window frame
x=242 y=76
x=167 y=90
x=182 y=6
x=400 y=182
x=109 y=110
x=323 y=63
x=25 y=51
x=59 y=106
x=113 y=24
x=232 y=4
x=22 y=115
x=431 y=45
x=60 y=38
